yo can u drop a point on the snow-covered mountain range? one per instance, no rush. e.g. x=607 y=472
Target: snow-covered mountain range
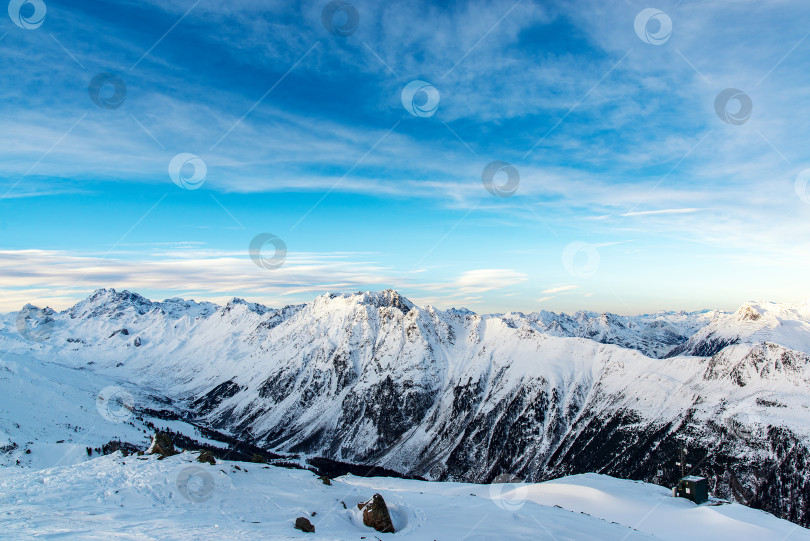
x=442 y=394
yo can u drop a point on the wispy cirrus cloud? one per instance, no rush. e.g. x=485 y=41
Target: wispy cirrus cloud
x=38 y=276
x=481 y=280
x=662 y=211
x=60 y=278
x=560 y=289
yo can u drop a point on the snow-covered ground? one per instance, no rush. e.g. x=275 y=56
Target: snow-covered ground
x=50 y=413
x=75 y=380
x=117 y=497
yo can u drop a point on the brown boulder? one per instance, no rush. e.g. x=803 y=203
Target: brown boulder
x=303 y=524
x=162 y=445
x=375 y=515
x=206 y=456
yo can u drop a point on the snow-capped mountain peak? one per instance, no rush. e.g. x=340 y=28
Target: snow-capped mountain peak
x=754 y=322
x=388 y=298
x=241 y=304
x=110 y=303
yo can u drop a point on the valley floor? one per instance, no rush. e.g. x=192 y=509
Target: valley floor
x=117 y=497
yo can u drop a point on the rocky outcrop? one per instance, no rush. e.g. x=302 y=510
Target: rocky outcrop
x=375 y=514
x=162 y=445
x=207 y=457
x=303 y=524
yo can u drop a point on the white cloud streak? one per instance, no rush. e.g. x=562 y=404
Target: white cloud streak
x=482 y=280
x=559 y=289
x=59 y=279
x=662 y=211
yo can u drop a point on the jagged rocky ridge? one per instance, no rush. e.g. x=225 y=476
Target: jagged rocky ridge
x=451 y=394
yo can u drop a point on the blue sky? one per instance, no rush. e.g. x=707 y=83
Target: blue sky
x=633 y=194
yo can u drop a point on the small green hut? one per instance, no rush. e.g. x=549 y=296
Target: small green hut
x=693 y=488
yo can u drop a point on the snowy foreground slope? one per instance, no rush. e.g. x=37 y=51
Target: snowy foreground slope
x=178 y=498
x=447 y=395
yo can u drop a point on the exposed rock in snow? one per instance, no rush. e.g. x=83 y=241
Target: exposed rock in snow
x=303 y=524
x=375 y=514
x=161 y=445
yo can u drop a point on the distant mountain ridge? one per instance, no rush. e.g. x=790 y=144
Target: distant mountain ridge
x=785 y=324
x=654 y=334
x=450 y=394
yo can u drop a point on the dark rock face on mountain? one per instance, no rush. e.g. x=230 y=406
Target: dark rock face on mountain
x=706 y=347
x=452 y=395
